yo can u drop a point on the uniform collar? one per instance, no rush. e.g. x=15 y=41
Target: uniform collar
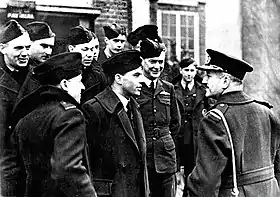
x=148 y=82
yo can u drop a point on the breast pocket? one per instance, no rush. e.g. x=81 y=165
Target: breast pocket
x=164 y=107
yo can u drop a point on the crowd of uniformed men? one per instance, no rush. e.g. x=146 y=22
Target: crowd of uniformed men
x=103 y=122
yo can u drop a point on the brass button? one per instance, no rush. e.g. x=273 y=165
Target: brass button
x=154 y=138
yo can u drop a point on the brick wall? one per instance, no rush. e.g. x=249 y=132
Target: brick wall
x=112 y=12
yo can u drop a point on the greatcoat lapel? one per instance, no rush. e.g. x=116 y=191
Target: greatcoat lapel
x=127 y=126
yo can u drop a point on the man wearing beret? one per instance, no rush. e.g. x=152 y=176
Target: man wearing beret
x=146 y=31
x=42 y=44
x=161 y=118
x=115 y=134
x=43 y=39
x=115 y=37
x=50 y=133
x=238 y=139
x=192 y=102
x=86 y=42
x=14 y=56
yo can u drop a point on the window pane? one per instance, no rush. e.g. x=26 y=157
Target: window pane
x=191 y=33
x=190 y=20
x=164 y=18
x=183 y=32
x=173 y=31
x=172 y=18
x=164 y=30
x=191 y=44
x=183 y=20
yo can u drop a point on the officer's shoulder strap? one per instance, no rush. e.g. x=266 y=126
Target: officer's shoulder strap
x=67 y=105
x=264 y=103
x=213 y=115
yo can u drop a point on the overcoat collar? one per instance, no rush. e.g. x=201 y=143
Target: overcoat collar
x=236 y=97
x=6 y=80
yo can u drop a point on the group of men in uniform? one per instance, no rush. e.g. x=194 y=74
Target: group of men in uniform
x=91 y=122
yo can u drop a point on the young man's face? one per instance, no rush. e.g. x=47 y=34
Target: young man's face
x=41 y=50
x=214 y=84
x=153 y=67
x=16 y=52
x=88 y=50
x=75 y=87
x=116 y=45
x=188 y=73
x=131 y=82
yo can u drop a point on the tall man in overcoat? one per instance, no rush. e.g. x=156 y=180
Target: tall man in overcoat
x=161 y=117
x=116 y=136
x=50 y=134
x=239 y=137
x=14 y=47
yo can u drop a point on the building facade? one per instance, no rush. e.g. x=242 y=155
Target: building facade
x=181 y=22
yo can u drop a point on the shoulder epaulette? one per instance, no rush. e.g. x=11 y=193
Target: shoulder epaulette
x=67 y=105
x=213 y=115
x=264 y=103
x=222 y=107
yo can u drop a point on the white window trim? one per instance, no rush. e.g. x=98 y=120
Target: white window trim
x=178 y=31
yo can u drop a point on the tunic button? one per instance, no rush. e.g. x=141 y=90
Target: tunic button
x=155 y=110
x=10 y=127
x=187 y=104
x=186 y=121
x=154 y=138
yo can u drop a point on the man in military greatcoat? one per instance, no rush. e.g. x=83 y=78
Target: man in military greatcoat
x=50 y=134
x=238 y=140
x=14 y=56
x=86 y=42
x=161 y=116
x=116 y=136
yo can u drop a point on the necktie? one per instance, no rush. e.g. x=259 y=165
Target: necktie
x=130 y=114
x=152 y=86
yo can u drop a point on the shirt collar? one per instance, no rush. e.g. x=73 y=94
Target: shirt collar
x=184 y=85
x=148 y=82
x=123 y=100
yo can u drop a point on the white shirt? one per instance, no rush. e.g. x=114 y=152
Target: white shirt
x=189 y=85
x=148 y=82
x=123 y=100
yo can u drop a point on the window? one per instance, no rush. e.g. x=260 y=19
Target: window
x=179 y=31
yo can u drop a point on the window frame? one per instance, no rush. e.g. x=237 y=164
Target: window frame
x=178 y=30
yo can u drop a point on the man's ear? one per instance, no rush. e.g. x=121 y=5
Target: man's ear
x=2 y=48
x=63 y=84
x=180 y=69
x=70 y=48
x=226 y=81
x=106 y=40
x=118 y=78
